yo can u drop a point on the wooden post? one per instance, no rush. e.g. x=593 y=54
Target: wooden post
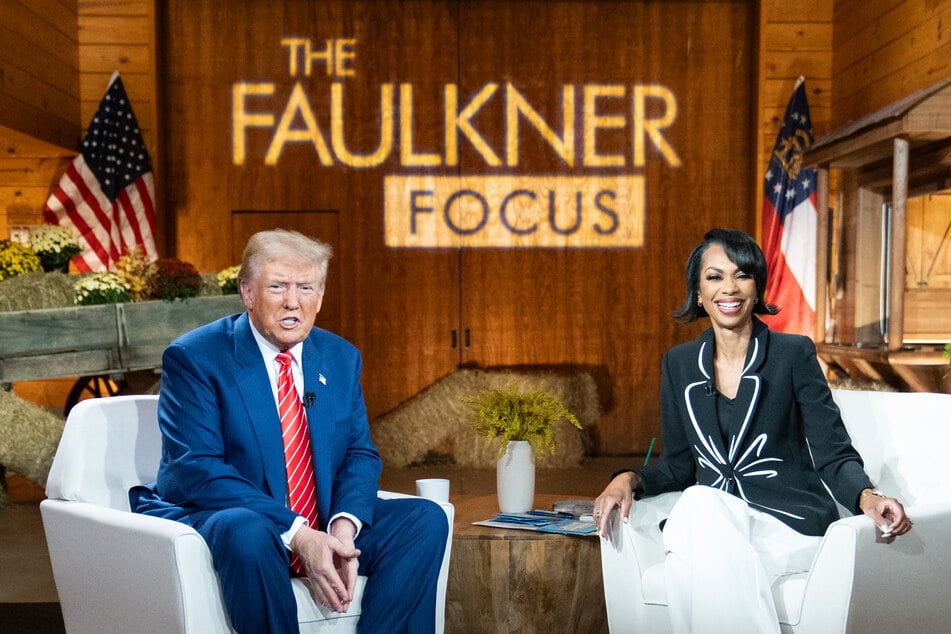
x=822 y=250
x=896 y=304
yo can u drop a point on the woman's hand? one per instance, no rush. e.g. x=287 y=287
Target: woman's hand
x=619 y=493
x=887 y=513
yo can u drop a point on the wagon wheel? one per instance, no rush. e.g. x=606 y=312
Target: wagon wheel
x=91 y=387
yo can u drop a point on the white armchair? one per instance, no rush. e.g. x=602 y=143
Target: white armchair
x=856 y=584
x=118 y=571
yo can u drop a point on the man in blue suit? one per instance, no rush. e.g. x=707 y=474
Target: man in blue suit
x=223 y=468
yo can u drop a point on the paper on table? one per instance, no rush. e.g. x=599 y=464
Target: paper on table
x=541 y=521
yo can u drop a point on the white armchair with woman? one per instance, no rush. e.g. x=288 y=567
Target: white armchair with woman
x=753 y=438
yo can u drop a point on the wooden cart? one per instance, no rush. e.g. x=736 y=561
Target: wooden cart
x=106 y=346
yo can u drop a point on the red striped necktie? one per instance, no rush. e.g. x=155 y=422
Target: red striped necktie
x=301 y=484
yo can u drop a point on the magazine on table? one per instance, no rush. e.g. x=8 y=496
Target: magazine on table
x=560 y=522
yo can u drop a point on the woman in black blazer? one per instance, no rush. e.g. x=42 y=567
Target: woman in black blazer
x=752 y=436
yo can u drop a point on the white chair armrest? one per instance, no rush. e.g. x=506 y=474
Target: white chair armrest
x=158 y=570
x=859 y=583
x=628 y=552
x=907 y=580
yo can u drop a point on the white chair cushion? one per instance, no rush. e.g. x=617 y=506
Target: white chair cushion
x=90 y=440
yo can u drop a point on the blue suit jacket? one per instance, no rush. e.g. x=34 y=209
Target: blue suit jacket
x=785 y=439
x=221 y=432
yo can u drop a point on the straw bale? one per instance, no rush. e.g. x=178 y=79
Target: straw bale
x=209 y=285
x=29 y=436
x=436 y=426
x=32 y=291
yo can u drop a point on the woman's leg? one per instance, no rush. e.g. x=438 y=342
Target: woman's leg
x=715 y=574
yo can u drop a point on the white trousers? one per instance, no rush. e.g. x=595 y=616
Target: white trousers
x=722 y=557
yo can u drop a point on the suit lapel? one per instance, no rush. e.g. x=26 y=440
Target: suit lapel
x=701 y=405
x=254 y=385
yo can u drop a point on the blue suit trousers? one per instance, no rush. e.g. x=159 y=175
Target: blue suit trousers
x=401 y=553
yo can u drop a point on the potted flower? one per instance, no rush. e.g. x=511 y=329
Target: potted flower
x=175 y=279
x=101 y=288
x=17 y=259
x=524 y=421
x=228 y=280
x=55 y=246
x=137 y=272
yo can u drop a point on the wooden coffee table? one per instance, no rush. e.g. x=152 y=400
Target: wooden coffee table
x=508 y=580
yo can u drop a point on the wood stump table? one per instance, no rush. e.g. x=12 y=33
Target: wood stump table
x=519 y=581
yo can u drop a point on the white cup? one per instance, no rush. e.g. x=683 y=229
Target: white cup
x=436 y=489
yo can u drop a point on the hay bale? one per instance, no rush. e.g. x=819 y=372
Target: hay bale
x=848 y=383
x=209 y=285
x=29 y=436
x=435 y=425
x=32 y=291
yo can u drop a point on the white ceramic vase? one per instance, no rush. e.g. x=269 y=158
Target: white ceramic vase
x=515 y=478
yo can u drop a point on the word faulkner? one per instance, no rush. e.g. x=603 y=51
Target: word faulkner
x=426 y=209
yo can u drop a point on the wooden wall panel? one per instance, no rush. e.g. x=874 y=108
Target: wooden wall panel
x=39 y=104
x=120 y=35
x=39 y=91
x=398 y=306
x=791 y=44
x=885 y=50
x=57 y=57
x=605 y=310
x=602 y=309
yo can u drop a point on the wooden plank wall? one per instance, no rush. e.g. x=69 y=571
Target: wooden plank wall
x=605 y=310
x=120 y=35
x=57 y=57
x=38 y=54
x=883 y=50
x=39 y=103
x=792 y=43
x=886 y=50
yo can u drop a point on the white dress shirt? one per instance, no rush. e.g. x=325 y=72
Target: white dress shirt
x=269 y=352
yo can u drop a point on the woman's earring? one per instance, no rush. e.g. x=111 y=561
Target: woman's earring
x=699 y=301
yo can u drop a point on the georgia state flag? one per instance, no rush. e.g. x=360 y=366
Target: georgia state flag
x=789 y=223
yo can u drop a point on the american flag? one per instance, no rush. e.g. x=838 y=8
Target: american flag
x=107 y=193
x=789 y=223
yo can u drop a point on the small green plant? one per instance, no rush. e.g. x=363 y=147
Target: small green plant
x=510 y=414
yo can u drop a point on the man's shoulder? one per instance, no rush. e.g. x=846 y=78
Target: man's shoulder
x=218 y=329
